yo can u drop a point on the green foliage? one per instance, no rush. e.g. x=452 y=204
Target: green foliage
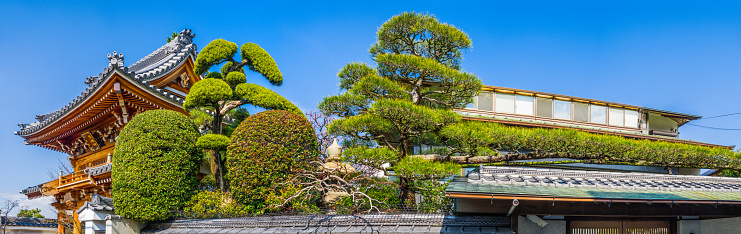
x=433 y=195
x=223 y=95
x=200 y=117
x=34 y=213
x=173 y=36
x=235 y=78
x=408 y=98
x=262 y=97
x=227 y=66
x=570 y=143
x=214 y=204
x=421 y=169
x=213 y=142
x=372 y=157
x=268 y=148
x=238 y=115
x=216 y=52
x=156 y=161
x=422 y=35
x=258 y=60
x=207 y=93
x=353 y=72
x=214 y=75
x=382 y=191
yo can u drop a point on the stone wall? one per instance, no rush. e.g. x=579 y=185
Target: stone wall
x=117 y=225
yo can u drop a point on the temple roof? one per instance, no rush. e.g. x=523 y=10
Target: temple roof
x=155 y=65
x=595 y=184
x=99 y=170
x=98 y=203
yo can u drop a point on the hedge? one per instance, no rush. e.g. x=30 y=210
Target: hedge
x=155 y=165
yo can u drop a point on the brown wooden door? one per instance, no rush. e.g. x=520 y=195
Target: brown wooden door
x=620 y=227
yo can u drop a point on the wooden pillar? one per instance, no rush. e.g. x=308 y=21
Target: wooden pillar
x=60 y=223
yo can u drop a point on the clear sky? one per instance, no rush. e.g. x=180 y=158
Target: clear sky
x=671 y=55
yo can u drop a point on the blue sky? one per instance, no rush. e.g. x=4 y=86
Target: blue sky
x=671 y=55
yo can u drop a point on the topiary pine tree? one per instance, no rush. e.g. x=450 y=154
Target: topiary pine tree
x=268 y=148
x=408 y=97
x=156 y=162
x=222 y=92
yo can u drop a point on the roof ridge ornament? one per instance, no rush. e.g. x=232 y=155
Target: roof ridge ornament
x=184 y=38
x=116 y=60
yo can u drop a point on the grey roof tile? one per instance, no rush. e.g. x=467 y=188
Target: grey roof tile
x=150 y=67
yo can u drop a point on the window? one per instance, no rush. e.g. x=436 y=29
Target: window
x=617 y=116
x=486 y=99
x=472 y=105
x=581 y=112
x=545 y=107
x=562 y=109
x=523 y=105
x=631 y=118
x=598 y=114
x=505 y=102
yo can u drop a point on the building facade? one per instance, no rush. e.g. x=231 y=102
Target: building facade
x=86 y=129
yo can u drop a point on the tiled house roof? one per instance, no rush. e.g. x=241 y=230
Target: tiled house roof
x=592 y=184
x=380 y=223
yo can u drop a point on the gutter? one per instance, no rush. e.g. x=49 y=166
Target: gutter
x=579 y=199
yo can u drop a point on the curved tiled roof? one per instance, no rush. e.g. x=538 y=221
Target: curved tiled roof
x=29 y=222
x=97 y=203
x=596 y=179
x=370 y=223
x=153 y=66
x=99 y=170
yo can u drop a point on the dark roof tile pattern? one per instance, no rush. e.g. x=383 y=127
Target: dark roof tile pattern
x=98 y=203
x=598 y=179
x=154 y=65
x=29 y=222
x=99 y=170
x=379 y=223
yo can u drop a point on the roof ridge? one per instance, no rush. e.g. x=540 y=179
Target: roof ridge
x=185 y=47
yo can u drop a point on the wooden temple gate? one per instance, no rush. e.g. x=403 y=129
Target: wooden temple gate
x=86 y=129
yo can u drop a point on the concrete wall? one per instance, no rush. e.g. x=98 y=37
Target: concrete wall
x=727 y=225
x=525 y=225
x=117 y=225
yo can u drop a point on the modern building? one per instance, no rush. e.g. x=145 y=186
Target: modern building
x=580 y=198
x=87 y=127
x=527 y=108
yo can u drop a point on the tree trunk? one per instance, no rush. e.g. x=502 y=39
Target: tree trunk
x=407 y=195
x=217 y=164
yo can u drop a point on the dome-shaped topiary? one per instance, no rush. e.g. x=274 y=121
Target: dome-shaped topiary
x=155 y=164
x=267 y=149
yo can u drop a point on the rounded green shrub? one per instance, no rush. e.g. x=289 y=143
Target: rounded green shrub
x=217 y=51
x=155 y=165
x=267 y=149
x=260 y=61
x=207 y=92
x=235 y=78
x=213 y=142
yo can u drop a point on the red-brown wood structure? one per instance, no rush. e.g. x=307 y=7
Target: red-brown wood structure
x=86 y=128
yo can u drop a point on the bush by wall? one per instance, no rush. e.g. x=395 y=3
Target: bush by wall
x=267 y=149
x=155 y=165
